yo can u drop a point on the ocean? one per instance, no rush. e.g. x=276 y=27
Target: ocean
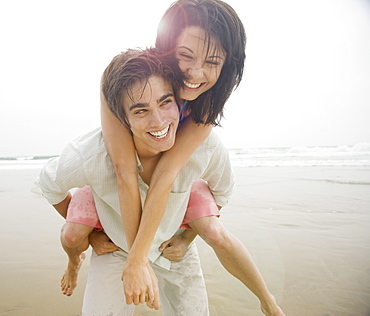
x=337 y=156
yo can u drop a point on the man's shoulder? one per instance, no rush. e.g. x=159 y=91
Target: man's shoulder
x=212 y=141
x=212 y=145
x=90 y=144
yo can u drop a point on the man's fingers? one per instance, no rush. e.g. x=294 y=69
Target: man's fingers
x=164 y=245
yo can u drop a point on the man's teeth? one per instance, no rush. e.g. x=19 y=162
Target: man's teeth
x=192 y=85
x=160 y=134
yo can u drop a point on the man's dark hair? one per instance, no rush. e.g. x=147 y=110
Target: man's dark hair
x=131 y=67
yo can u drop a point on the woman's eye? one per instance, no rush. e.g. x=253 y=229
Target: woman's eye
x=185 y=56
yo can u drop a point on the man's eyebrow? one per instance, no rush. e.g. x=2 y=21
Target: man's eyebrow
x=138 y=105
x=145 y=105
x=164 y=97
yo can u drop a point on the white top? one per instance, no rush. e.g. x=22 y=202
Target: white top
x=85 y=161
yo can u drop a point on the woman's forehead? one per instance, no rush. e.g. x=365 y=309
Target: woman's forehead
x=195 y=37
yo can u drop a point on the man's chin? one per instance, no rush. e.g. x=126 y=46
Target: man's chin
x=166 y=146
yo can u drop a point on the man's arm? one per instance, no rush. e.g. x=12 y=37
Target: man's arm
x=61 y=174
x=219 y=173
x=175 y=248
x=62 y=207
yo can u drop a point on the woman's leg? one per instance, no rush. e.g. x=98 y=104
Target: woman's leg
x=233 y=255
x=75 y=240
x=236 y=259
x=81 y=220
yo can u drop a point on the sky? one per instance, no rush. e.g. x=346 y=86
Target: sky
x=306 y=82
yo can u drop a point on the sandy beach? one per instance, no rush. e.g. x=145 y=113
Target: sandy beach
x=308 y=229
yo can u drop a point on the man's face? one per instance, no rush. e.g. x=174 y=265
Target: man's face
x=153 y=116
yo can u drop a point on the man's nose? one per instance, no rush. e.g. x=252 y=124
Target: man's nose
x=157 y=119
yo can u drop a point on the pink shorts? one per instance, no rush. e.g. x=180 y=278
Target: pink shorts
x=82 y=208
x=201 y=204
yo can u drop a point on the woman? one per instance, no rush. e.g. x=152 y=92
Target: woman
x=207 y=41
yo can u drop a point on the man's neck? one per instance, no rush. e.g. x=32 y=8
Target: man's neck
x=148 y=163
x=148 y=159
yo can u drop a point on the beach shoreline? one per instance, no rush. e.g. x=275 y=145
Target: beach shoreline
x=307 y=228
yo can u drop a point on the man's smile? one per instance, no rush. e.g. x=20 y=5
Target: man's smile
x=160 y=134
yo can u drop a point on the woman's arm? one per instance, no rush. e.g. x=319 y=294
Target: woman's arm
x=125 y=164
x=138 y=278
x=188 y=138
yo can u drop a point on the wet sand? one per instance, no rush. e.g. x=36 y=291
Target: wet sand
x=308 y=229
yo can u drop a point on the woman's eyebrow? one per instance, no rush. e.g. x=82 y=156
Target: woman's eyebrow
x=185 y=47
x=216 y=56
x=212 y=56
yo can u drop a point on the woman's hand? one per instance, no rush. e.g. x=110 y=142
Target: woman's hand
x=140 y=284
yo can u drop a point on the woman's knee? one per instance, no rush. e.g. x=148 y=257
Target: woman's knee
x=73 y=234
x=211 y=231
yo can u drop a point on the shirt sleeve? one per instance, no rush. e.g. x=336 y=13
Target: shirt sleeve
x=61 y=174
x=219 y=174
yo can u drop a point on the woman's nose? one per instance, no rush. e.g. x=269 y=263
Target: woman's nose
x=196 y=71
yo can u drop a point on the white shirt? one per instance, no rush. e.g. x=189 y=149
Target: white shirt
x=85 y=161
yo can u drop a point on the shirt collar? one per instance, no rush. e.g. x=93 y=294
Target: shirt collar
x=139 y=165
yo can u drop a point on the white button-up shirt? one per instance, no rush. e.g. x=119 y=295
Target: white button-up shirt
x=85 y=161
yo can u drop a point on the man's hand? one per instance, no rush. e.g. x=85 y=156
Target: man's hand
x=175 y=248
x=140 y=284
x=101 y=243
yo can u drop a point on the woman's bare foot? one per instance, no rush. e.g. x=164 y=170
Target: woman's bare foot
x=271 y=308
x=69 y=279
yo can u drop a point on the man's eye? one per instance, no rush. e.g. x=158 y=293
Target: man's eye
x=167 y=101
x=139 y=111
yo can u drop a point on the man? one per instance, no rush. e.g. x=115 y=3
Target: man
x=145 y=100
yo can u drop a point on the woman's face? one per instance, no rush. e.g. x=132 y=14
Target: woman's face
x=200 y=60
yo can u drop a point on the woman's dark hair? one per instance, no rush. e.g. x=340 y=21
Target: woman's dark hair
x=131 y=67
x=220 y=21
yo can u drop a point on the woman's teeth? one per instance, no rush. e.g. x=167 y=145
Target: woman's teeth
x=160 y=134
x=192 y=85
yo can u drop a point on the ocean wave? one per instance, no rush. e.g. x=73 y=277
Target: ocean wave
x=357 y=155
x=25 y=158
x=349 y=182
x=19 y=163
x=299 y=151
